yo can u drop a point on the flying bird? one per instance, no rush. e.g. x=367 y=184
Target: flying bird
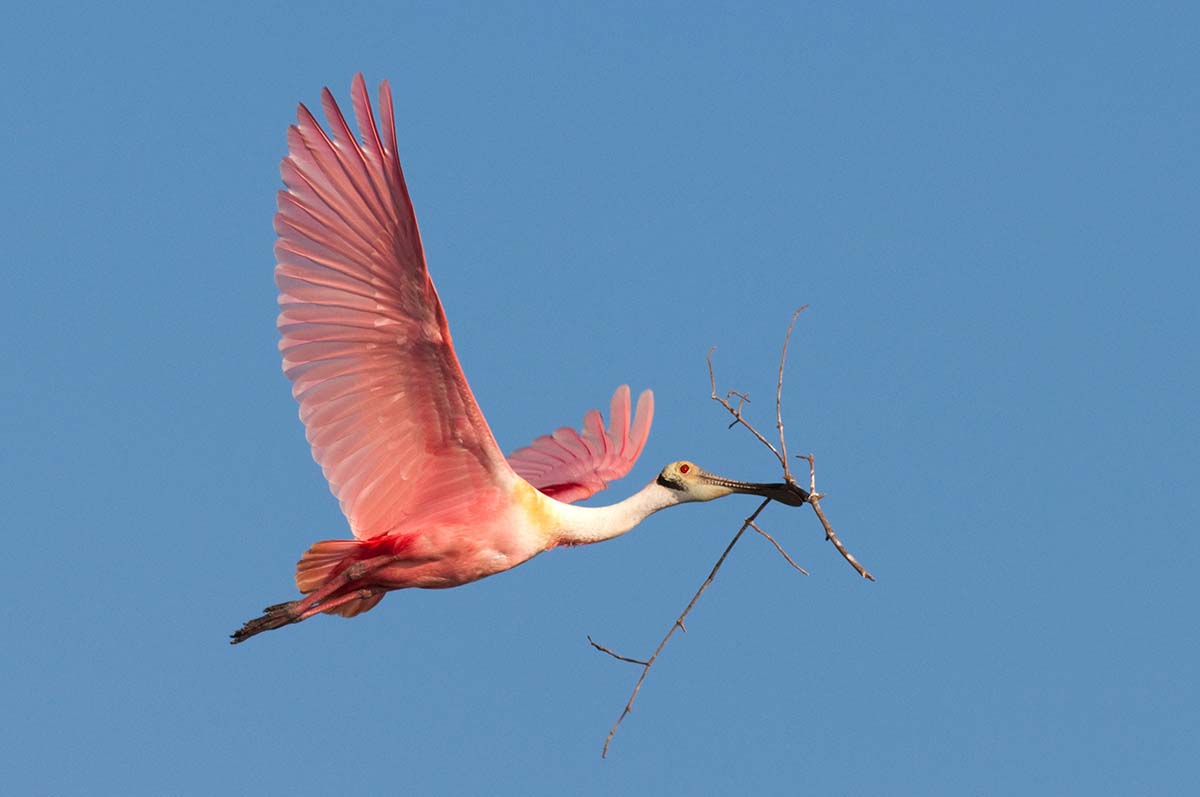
x=431 y=500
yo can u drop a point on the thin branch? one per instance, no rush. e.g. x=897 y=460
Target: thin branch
x=779 y=548
x=787 y=471
x=677 y=624
x=814 y=498
x=603 y=649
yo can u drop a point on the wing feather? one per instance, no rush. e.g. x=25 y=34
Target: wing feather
x=386 y=407
x=570 y=466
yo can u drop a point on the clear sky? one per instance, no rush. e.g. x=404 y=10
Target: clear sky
x=991 y=211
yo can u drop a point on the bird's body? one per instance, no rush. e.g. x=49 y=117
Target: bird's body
x=431 y=501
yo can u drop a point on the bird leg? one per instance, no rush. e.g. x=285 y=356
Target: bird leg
x=330 y=595
x=276 y=616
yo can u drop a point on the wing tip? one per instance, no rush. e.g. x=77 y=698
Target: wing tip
x=643 y=419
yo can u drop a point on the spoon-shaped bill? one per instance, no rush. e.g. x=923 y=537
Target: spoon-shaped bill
x=790 y=494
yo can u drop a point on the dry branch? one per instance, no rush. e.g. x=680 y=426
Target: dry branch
x=814 y=500
x=778 y=547
x=811 y=497
x=646 y=665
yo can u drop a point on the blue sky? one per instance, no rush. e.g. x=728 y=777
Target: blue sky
x=991 y=212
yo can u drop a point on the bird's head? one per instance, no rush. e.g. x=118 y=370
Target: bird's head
x=693 y=483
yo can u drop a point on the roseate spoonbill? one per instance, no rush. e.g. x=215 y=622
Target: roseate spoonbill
x=431 y=500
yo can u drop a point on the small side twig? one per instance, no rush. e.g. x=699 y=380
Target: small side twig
x=737 y=412
x=779 y=548
x=615 y=655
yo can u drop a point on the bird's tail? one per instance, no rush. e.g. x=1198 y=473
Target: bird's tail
x=326 y=560
x=321 y=574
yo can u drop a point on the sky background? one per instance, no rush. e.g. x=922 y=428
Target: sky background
x=992 y=213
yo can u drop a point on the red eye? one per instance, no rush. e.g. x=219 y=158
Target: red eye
x=684 y=468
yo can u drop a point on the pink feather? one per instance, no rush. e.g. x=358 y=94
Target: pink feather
x=569 y=466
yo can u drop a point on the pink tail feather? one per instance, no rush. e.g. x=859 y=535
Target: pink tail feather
x=323 y=560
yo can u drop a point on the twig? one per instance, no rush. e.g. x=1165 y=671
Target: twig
x=779 y=548
x=787 y=471
x=814 y=498
x=781 y=452
x=737 y=413
x=646 y=665
x=603 y=649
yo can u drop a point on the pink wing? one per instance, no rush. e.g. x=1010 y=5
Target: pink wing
x=385 y=404
x=570 y=466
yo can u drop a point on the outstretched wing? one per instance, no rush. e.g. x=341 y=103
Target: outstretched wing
x=569 y=465
x=385 y=404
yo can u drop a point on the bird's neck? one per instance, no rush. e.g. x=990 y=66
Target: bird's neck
x=580 y=525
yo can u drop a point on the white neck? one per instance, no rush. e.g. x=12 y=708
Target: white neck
x=579 y=525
